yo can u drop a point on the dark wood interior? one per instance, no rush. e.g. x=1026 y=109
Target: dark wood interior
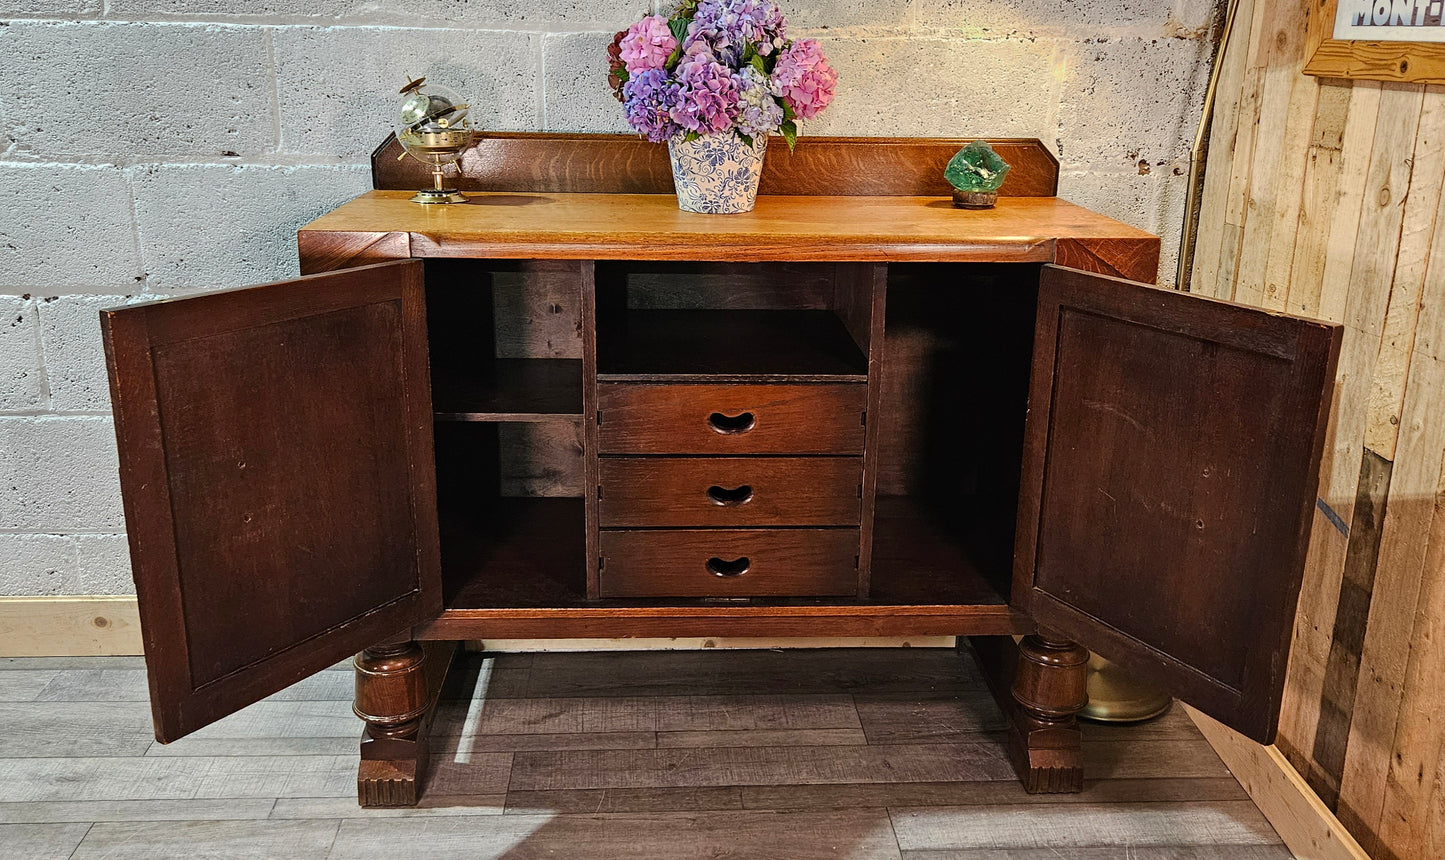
x=512 y=503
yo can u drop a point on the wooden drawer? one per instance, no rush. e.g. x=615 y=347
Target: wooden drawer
x=731 y=419
x=730 y=563
x=731 y=491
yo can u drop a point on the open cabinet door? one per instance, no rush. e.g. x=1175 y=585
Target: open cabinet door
x=1171 y=460
x=277 y=472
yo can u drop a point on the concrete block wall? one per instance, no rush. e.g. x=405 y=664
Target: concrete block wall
x=157 y=147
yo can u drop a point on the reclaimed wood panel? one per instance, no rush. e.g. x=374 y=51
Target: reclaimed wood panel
x=1352 y=237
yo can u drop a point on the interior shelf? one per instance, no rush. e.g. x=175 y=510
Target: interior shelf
x=926 y=555
x=511 y=389
x=762 y=345
x=515 y=552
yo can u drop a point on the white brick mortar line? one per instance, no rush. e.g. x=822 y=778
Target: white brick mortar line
x=275 y=90
x=301 y=21
x=59 y=534
x=272 y=159
x=51 y=292
x=540 y=99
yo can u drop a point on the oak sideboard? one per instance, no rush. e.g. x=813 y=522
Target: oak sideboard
x=567 y=409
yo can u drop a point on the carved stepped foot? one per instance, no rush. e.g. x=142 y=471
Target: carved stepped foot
x=1040 y=684
x=396 y=690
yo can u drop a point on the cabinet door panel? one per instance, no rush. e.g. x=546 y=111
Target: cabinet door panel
x=277 y=472
x=1171 y=462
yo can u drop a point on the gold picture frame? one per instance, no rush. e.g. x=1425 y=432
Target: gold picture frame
x=1407 y=62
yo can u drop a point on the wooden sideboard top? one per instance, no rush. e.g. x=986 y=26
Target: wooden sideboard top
x=385 y=225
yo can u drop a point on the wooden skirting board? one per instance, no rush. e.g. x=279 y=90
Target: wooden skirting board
x=1298 y=815
x=69 y=626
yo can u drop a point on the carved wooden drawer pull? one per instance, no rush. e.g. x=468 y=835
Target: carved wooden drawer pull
x=737 y=567
x=732 y=425
x=723 y=497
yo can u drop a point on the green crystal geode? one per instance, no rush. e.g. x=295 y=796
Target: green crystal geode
x=976 y=168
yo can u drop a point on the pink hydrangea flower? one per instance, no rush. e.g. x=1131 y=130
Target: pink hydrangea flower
x=709 y=93
x=804 y=78
x=648 y=44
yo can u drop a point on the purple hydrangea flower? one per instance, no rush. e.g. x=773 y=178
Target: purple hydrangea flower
x=709 y=96
x=729 y=26
x=647 y=45
x=649 y=100
x=759 y=113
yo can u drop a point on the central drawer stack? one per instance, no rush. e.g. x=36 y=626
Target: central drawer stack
x=731 y=429
x=730 y=490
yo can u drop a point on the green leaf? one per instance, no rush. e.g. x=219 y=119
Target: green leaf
x=623 y=76
x=746 y=139
x=788 y=115
x=789 y=131
x=679 y=28
x=757 y=63
x=691 y=136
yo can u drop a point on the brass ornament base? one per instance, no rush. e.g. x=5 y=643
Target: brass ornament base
x=1115 y=697
x=974 y=199
x=444 y=195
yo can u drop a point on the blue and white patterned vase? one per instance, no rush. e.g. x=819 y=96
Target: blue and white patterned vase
x=716 y=173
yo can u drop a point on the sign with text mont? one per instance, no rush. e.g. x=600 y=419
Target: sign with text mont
x=1390 y=20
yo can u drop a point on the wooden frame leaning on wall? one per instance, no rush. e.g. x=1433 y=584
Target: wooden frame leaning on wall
x=1406 y=62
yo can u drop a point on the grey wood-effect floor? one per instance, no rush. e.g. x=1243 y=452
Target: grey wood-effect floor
x=758 y=754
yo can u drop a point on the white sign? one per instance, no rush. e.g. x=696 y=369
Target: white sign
x=1391 y=20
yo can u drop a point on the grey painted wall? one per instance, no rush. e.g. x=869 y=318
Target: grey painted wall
x=157 y=147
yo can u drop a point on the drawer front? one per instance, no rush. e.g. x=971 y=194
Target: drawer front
x=712 y=492
x=731 y=419
x=730 y=563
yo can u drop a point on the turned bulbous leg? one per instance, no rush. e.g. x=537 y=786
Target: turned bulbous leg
x=393 y=697
x=1048 y=691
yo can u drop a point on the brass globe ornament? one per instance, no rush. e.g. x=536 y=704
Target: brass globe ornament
x=433 y=127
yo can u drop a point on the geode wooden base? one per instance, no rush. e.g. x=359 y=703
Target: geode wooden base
x=974 y=199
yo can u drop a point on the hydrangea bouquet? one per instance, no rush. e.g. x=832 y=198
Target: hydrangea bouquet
x=717 y=77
